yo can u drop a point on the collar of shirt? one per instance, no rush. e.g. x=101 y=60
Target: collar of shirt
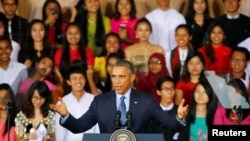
x=168 y=108
x=127 y=99
x=235 y=17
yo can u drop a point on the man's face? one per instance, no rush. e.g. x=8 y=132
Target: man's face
x=238 y=62
x=122 y=79
x=9 y=7
x=5 y=51
x=163 y=3
x=231 y=6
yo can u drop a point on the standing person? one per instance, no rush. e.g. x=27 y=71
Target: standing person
x=16 y=47
x=124 y=20
x=35 y=121
x=198 y=20
x=176 y=58
x=73 y=49
x=104 y=107
x=236 y=25
x=238 y=62
x=16 y=25
x=193 y=72
x=7 y=112
x=215 y=52
x=138 y=53
x=164 y=21
x=77 y=101
x=94 y=25
x=166 y=90
x=35 y=44
x=12 y=73
x=230 y=116
x=157 y=69
x=112 y=44
x=52 y=17
x=201 y=113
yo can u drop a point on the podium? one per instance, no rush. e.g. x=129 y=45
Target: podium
x=106 y=137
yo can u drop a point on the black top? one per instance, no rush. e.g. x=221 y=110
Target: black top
x=168 y=134
x=236 y=30
x=19 y=27
x=198 y=32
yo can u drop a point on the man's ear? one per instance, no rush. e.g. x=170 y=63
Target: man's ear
x=158 y=92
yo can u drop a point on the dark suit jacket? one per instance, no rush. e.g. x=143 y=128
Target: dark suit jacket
x=103 y=110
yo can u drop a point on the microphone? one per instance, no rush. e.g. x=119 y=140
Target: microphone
x=129 y=119
x=117 y=120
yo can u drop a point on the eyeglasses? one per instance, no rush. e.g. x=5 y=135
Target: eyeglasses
x=155 y=62
x=239 y=60
x=167 y=89
x=38 y=98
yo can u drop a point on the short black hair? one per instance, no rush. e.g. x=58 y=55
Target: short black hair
x=5 y=38
x=242 y=50
x=16 y=1
x=163 y=79
x=78 y=67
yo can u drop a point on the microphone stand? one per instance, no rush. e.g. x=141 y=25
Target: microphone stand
x=129 y=120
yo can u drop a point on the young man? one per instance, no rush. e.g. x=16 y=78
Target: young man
x=11 y=72
x=77 y=102
x=238 y=61
x=103 y=110
x=166 y=90
x=16 y=26
x=236 y=25
x=164 y=20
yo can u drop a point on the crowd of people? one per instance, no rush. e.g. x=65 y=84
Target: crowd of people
x=65 y=66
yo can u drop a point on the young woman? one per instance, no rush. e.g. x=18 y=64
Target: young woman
x=175 y=58
x=94 y=25
x=124 y=20
x=112 y=44
x=193 y=72
x=229 y=116
x=201 y=113
x=73 y=49
x=7 y=104
x=198 y=21
x=157 y=69
x=216 y=54
x=36 y=121
x=138 y=53
x=35 y=45
x=52 y=18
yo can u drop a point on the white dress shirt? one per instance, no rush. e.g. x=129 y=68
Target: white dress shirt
x=76 y=109
x=164 y=24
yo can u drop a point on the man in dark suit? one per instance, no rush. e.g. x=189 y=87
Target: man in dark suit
x=104 y=107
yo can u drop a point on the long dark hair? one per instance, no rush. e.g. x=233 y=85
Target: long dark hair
x=209 y=50
x=211 y=105
x=29 y=43
x=58 y=23
x=11 y=107
x=65 y=59
x=82 y=19
x=44 y=92
x=104 y=50
x=186 y=74
x=132 y=13
x=191 y=13
x=239 y=85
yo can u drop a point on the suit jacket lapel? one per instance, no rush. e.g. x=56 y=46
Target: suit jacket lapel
x=134 y=101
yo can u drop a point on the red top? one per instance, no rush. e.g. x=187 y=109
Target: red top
x=52 y=33
x=187 y=89
x=74 y=55
x=5 y=137
x=222 y=63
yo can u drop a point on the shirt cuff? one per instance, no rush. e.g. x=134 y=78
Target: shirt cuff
x=63 y=119
x=182 y=122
